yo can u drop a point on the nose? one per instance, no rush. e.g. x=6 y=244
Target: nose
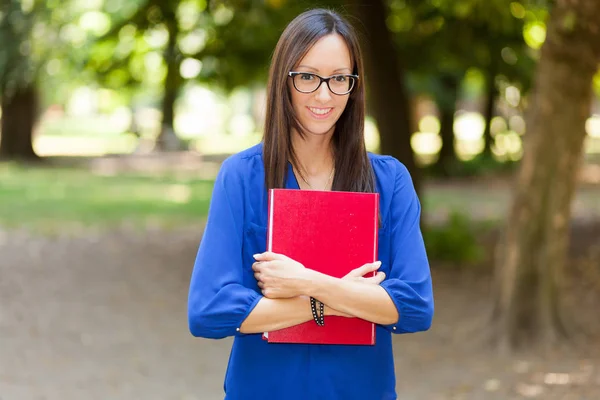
x=323 y=95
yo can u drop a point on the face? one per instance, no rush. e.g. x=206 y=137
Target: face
x=318 y=111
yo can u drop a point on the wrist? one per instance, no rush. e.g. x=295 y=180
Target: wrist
x=317 y=284
x=329 y=312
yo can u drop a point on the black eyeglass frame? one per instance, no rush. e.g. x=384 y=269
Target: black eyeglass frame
x=293 y=74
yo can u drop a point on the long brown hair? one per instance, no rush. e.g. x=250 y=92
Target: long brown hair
x=352 y=166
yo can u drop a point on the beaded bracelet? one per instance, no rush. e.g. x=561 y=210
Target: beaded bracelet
x=318 y=317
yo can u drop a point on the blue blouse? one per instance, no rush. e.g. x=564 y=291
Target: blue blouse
x=223 y=291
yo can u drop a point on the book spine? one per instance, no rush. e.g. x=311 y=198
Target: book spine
x=375 y=250
x=270 y=227
x=376 y=228
x=265 y=335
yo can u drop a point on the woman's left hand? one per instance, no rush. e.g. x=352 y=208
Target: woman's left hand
x=279 y=276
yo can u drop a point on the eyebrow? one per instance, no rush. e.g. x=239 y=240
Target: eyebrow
x=334 y=71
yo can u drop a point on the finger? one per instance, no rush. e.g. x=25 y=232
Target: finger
x=268 y=256
x=263 y=265
x=257 y=276
x=365 y=269
x=377 y=278
x=256 y=267
x=261 y=285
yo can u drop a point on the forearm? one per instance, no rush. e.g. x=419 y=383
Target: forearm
x=363 y=300
x=274 y=314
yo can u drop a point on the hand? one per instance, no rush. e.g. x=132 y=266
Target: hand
x=357 y=274
x=279 y=276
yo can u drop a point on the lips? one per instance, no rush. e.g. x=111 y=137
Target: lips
x=320 y=113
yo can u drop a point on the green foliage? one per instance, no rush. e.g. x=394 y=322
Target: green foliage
x=42 y=44
x=455 y=242
x=230 y=41
x=440 y=40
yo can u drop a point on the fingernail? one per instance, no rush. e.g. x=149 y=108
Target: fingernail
x=256 y=255
x=378 y=263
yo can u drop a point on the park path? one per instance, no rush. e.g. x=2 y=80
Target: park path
x=91 y=315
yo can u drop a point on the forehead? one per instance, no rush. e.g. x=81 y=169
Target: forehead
x=330 y=53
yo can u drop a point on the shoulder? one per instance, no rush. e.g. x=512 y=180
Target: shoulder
x=241 y=163
x=237 y=169
x=389 y=171
x=243 y=158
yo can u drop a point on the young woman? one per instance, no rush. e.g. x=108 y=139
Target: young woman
x=313 y=140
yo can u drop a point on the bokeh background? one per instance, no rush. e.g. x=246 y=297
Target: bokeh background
x=116 y=115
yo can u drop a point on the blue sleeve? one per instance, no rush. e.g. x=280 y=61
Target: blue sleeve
x=218 y=302
x=409 y=281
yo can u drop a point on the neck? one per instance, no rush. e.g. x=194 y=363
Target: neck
x=313 y=153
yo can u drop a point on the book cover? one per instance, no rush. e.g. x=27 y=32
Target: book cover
x=330 y=232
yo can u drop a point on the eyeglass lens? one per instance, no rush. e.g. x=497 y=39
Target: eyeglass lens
x=340 y=84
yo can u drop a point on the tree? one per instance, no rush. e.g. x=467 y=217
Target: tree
x=17 y=80
x=532 y=252
x=34 y=42
x=387 y=94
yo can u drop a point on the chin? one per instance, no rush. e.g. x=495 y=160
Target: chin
x=318 y=130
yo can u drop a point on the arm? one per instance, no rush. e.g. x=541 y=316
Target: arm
x=408 y=288
x=274 y=314
x=409 y=283
x=280 y=277
x=218 y=302
x=359 y=299
x=401 y=303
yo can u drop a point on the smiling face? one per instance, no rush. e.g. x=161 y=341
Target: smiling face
x=317 y=112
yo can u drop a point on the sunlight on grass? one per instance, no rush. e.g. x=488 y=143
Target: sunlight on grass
x=54 y=198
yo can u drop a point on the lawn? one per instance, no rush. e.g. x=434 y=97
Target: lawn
x=49 y=199
x=57 y=198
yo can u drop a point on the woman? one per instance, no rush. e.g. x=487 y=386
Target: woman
x=313 y=140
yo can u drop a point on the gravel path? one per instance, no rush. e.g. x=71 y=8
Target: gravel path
x=103 y=316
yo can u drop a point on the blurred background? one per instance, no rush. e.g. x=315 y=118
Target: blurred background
x=116 y=115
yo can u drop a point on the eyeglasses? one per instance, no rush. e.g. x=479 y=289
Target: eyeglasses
x=306 y=82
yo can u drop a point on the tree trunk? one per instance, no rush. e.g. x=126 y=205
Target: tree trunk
x=18 y=119
x=532 y=251
x=167 y=139
x=389 y=101
x=447 y=105
x=488 y=112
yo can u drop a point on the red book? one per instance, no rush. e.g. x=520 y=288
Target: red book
x=330 y=232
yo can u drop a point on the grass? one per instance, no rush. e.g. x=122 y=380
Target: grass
x=55 y=198
x=52 y=199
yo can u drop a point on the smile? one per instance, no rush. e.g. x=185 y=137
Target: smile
x=320 y=112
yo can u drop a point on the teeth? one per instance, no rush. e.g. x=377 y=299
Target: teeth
x=320 y=111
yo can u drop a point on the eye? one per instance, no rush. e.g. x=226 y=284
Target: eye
x=340 y=78
x=307 y=77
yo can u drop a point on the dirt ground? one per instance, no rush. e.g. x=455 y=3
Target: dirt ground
x=92 y=315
